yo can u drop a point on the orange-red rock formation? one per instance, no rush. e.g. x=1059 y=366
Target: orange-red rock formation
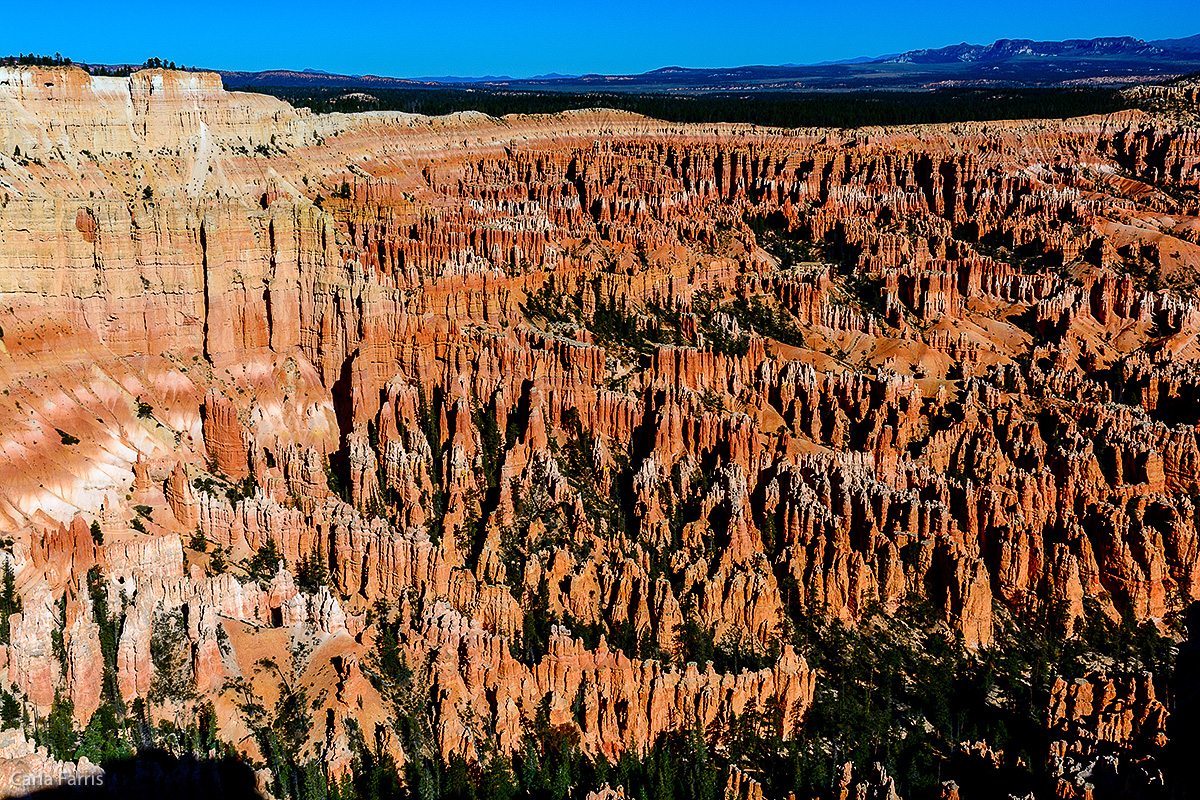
x=625 y=374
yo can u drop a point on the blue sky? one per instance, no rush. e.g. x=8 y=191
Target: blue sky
x=465 y=37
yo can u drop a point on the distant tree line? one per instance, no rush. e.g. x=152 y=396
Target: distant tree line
x=781 y=109
x=121 y=71
x=31 y=60
x=58 y=60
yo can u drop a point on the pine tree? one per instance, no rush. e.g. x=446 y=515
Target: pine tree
x=10 y=710
x=10 y=601
x=59 y=735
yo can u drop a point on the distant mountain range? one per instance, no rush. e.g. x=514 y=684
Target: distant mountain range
x=1006 y=62
x=1005 y=50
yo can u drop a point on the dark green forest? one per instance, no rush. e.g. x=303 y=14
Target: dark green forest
x=782 y=109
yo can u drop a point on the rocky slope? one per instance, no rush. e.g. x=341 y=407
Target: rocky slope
x=496 y=419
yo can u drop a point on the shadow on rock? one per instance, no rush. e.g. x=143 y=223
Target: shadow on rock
x=1183 y=726
x=155 y=774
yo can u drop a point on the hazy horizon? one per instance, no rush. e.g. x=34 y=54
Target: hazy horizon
x=474 y=39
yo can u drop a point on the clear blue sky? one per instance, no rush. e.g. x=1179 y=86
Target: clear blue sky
x=467 y=37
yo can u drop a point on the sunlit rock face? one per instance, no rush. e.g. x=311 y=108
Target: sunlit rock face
x=561 y=389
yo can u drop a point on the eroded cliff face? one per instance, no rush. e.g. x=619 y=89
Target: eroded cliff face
x=650 y=383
